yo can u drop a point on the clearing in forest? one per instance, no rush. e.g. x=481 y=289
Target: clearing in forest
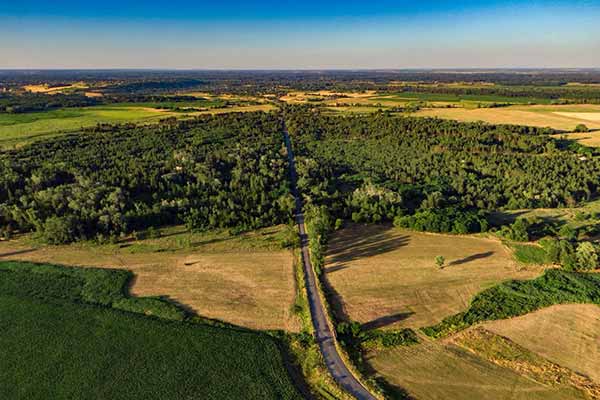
x=383 y=276
x=247 y=280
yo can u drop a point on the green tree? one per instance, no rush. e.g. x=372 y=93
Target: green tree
x=58 y=230
x=439 y=261
x=587 y=258
x=581 y=128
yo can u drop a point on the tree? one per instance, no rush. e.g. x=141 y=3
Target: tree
x=587 y=258
x=581 y=128
x=58 y=230
x=439 y=261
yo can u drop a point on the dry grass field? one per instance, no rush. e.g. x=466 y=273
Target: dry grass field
x=384 y=276
x=433 y=370
x=44 y=88
x=558 y=117
x=245 y=280
x=568 y=335
x=591 y=139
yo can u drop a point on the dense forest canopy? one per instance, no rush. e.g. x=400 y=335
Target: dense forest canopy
x=380 y=167
x=222 y=171
x=230 y=171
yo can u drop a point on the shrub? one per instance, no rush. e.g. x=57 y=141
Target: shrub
x=58 y=230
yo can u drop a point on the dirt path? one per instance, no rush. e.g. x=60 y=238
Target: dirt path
x=323 y=333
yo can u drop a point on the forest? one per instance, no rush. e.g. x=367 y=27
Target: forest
x=210 y=172
x=431 y=174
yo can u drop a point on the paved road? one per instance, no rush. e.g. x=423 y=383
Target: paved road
x=323 y=333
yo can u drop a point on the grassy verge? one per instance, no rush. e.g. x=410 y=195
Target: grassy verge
x=64 y=335
x=305 y=352
x=514 y=298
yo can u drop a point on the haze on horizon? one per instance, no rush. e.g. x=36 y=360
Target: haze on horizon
x=185 y=34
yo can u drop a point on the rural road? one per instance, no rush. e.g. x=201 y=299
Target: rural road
x=323 y=334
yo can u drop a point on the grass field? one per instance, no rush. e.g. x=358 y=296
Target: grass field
x=591 y=139
x=246 y=280
x=55 y=344
x=562 y=215
x=568 y=335
x=388 y=277
x=444 y=371
x=56 y=89
x=19 y=129
x=558 y=117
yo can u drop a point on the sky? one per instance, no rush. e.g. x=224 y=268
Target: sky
x=301 y=34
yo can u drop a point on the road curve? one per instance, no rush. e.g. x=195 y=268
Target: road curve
x=325 y=338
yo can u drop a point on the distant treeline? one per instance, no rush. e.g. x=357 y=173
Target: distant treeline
x=31 y=102
x=35 y=102
x=278 y=82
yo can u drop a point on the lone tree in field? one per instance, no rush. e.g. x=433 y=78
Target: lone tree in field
x=581 y=128
x=439 y=261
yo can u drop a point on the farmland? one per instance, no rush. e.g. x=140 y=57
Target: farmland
x=574 y=340
x=19 y=129
x=440 y=245
x=435 y=370
x=388 y=277
x=100 y=352
x=564 y=118
x=246 y=280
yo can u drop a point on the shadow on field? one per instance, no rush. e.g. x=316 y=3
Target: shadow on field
x=17 y=252
x=366 y=243
x=473 y=257
x=386 y=320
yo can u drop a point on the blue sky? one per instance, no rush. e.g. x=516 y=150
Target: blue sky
x=299 y=34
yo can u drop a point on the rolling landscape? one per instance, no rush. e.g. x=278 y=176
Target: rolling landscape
x=252 y=201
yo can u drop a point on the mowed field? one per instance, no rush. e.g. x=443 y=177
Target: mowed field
x=387 y=277
x=568 y=335
x=434 y=370
x=245 y=280
x=18 y=129
x=559 y=117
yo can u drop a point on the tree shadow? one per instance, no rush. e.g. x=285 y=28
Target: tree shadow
x=470 y=258
x=17 y=252
x=386 y=320
x=343 y=249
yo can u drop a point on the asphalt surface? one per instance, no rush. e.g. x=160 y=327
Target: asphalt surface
x=323 y=334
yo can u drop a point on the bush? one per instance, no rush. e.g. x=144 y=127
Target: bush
x=517 y=231
x=581 y=128
x=58 y=230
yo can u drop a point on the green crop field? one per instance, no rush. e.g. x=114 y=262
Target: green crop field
x=63 y=338
x=17 y=129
